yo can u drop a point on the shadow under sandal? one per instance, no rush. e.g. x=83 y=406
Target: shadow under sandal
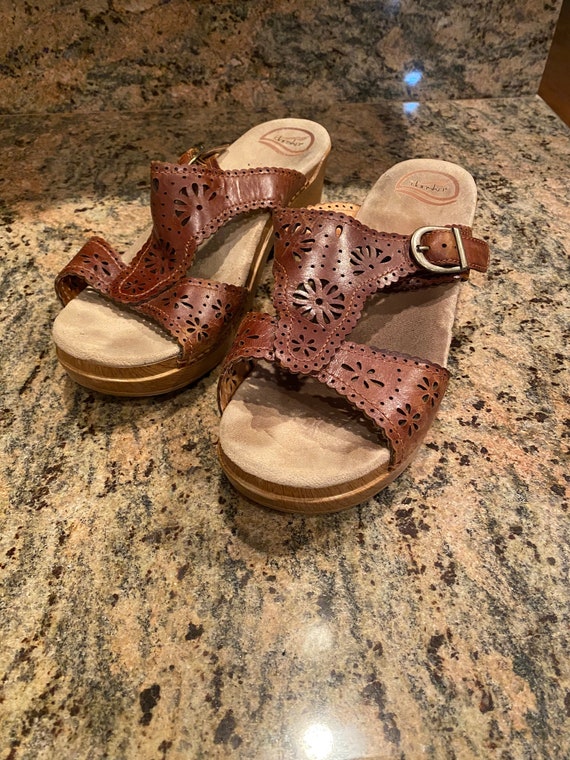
x=164 y=313
x=312 y=421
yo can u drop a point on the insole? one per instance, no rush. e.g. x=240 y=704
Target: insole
x=93 y=329
x=297 y=432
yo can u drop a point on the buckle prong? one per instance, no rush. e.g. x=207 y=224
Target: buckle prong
x=417 y=250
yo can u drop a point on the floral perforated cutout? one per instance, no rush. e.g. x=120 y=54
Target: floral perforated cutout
x=189 y=204
x=303 y=346
x=191 y=198
x=365 y=259
x=326 y=265
x=197 y=313
x=367 y=376
x=318 y=300
x=387 y=388
x=430 y=390
x=408 y=419
x=96 y=264
x=254 y=340
x=400 y=394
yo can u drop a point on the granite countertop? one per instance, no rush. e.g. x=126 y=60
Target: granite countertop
x=131 y=55
x=148 y=611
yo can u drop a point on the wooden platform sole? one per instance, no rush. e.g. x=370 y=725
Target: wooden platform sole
x=147 y=380
x=310 y=501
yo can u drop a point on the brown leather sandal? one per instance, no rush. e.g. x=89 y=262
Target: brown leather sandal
x=312 y=421
x=141 y=323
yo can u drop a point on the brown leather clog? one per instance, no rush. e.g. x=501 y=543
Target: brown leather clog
x=326 y=402
x=165 y=312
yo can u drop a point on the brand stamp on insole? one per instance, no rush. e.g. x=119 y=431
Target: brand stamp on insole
x=435 y=188
x=288 y=140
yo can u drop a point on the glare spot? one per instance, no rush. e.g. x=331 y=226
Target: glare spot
x=413 y=77
x=318 y=742
x=411 y=107
x=316 y=639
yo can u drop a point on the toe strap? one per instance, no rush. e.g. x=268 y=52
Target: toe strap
x=254 y=341
x=400 y=394
x=197 y=313
x=97 y=264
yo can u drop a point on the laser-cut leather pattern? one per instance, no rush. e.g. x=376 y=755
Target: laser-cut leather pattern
x=189 y=203
x=97 y=265
x=198 y=313
x=326 y=265
x=400 y=394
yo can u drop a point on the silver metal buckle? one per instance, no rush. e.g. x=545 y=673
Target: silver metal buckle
x=417 y=249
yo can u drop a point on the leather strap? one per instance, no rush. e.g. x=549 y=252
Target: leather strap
x=97 y=264
x=400 y=394
x=197 y=313
x=189 y=203
x=254 y=341
x=326 y=266
x=443 y=251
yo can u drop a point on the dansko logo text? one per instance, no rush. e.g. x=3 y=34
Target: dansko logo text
x=429 y=188
x=434 y=188
x=290 y=141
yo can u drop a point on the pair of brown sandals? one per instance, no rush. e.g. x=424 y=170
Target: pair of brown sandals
x=326 y=401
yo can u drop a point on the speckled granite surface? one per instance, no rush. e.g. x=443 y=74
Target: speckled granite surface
x=147 y=611
x=141 y=54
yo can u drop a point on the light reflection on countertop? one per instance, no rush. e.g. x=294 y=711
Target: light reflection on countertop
x=410 y=107
x=317 y=742
x=328 y=738
x=316 y=639
x=413 y=77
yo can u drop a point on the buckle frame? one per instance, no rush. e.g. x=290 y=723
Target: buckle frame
x=417 y=249
x=200 y=153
